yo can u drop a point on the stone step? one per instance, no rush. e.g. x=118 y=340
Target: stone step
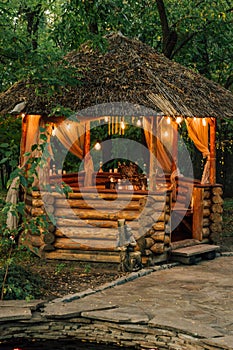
x=194 y=254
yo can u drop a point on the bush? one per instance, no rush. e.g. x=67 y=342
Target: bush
x=20 y=283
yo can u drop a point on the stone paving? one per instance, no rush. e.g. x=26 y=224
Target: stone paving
x=191 y=305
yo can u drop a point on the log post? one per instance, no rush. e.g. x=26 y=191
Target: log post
x=153 y=155
x=212 y=152
x=198 y=206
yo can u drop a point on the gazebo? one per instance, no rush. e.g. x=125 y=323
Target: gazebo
x=128 y=84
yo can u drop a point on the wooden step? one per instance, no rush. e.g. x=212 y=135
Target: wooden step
x=194 y=254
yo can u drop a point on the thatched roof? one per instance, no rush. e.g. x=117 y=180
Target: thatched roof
x=129 y=71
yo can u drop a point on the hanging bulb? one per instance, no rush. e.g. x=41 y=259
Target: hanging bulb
x=204 y=122
x=68 y=126
x=166 y=134
x=179 y=120
x=122 y=125
x=194 y=118
x=97 y=146
x=168 y=120
x=53 y=131
x=139 y=122
x=106 y=119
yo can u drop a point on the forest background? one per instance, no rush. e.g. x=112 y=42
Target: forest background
x=36 y=34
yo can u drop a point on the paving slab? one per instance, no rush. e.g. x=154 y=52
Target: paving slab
x=14 y=314
x=75 y=308
x=119 y=315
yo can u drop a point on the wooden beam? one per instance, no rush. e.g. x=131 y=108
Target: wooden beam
x=198 y=206
x=23 y=139
x=174 y=146
x=87 y=139
x=153 y=154
x=213 y=152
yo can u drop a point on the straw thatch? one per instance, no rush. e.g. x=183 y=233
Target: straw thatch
x=129 y=71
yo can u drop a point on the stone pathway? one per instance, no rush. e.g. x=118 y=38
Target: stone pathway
x=183 y=307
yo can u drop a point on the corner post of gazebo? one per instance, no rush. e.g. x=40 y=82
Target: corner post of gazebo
x=153 y=156
x=86 y=154
x=212 y=151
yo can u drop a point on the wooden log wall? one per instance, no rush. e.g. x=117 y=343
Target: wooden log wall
x=155 y=231
x=207 y=213
x=85 y=230
x=42 y=240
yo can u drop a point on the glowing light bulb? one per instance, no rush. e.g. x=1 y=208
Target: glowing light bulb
x=139 y=122
x=97 y=146
x=106 y=119
x=194 y=118
x=68 y=126
x=204 y=122
x=166 y=134
x=54 y=132
x=178 y=120
x=122 y=125
x=168 y=120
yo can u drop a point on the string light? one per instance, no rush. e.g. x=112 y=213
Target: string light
x=139 y=122
x=204 y=122
x=179 y=120
x=68 y=126
x=168 y=120
x=53 y=131
x=122 y=125
x=106 y=119
x=97 y=146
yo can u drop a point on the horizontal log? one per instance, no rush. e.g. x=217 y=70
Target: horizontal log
x=88 y=233
x=61 y=222
x=207 y=203
x=205 y=232
x=217 y=208
x=158 y=236
x=159 y=226
x=207 y=194
x=217 y=191
x=206 y=222
x=34 y=202
x=36 y=241
x=167 y=240
x=49 y=237
x=95 y=214
x=216 y=227
x=157 y=248
x=97 y=204
x=107 y=196
x=95 y=256
x=216 y=217
x=217 y=199
x=149 y=242
x=34 y=211
x=206 y=212
x=67 y=243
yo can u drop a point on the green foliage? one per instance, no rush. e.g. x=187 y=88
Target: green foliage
x=20 y=284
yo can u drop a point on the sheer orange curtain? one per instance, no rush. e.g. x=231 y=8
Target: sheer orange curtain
x=71 y=135
x=199 y=134
x=164 y=160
